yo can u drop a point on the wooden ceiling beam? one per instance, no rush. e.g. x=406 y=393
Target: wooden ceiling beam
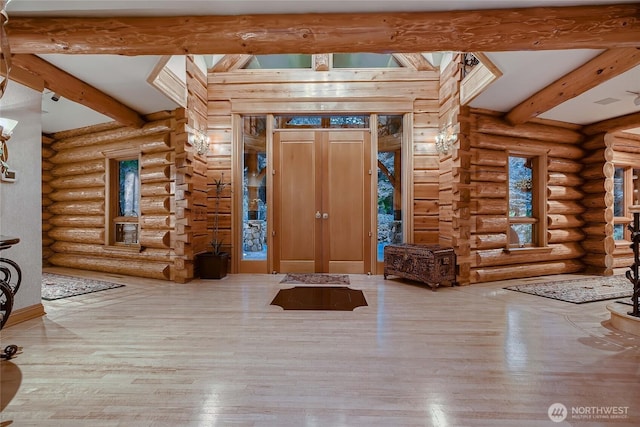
x=603 y=67
x=74 y=89
x=542 y=28
x=622 y=123
x=414 y=60
x=230 y=62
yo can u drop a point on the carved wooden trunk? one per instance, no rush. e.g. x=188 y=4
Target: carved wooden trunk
x=434 y=265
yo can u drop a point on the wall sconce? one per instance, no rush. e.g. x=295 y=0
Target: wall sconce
x=446 y=138
x=199 y=139
x=6 y=129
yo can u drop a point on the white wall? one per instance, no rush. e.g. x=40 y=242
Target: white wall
x=21 y=201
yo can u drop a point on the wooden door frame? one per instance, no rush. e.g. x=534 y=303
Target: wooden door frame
x=272 y=107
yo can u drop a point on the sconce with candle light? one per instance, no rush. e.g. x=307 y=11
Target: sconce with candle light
x=198 y=139
x=446 y=138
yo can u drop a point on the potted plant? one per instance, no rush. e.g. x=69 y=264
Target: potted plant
x=213 y=264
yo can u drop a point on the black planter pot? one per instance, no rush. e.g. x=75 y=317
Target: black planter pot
x=212 y=266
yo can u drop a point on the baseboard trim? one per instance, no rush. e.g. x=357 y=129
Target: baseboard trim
x=24 y=314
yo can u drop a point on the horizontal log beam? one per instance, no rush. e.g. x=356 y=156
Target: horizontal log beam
x=622 y=123
x=78 y=91
x=595 y=27
x=603 y=67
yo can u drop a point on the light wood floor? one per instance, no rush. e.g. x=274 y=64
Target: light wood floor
x=215 y=353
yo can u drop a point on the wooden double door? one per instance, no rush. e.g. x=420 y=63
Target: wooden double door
x=322 y=201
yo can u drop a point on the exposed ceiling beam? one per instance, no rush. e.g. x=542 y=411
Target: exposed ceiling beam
x=598 y=27
x=603 y=67
x=230 y=63
x=74 y=89
x=621 y=123
x=415 y=61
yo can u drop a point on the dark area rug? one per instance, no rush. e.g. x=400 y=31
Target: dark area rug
x=579 y=291
x=316 y=278
x=56 y=286
x=326 y=298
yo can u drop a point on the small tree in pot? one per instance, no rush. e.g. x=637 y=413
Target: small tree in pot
x=213 y=265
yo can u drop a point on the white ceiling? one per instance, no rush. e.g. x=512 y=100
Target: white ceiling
x=125 y=78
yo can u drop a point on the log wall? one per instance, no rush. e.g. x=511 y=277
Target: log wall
x=491 y=137
x=240 y=92
x=191 y=177
x=47 y=152
x=74 y=191
x=454 y=173
x=597 y=173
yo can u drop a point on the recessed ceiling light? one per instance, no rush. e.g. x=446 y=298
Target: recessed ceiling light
x=606 y=101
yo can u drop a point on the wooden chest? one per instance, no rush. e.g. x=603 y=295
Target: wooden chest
x=434 y=265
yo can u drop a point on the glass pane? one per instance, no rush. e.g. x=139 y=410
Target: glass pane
x=618 y=231
x=364 y=60
x=322 y=122
x=254 y=189
x=618 y=192
x=389 y=182
x=129 y=183
x=520 y=187
x=279 y=61
x=126 y=233
x=524 y=233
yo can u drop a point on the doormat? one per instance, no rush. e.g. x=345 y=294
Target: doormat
x=316 y=278
x=328 y=298
x=579 y=291
x=55 y=286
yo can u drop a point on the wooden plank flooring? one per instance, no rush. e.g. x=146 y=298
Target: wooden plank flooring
x=215 y=353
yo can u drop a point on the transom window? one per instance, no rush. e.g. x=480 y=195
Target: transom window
x=322 y=122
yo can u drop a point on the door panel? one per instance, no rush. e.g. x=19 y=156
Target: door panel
x=325 y=173
x=345 y=236
x=295 y=199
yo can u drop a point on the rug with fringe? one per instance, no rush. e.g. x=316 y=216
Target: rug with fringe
x=56 y=286
x=316 y=278
x=580 y=290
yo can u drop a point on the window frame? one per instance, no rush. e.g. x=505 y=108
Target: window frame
x=112 y=189
x=627 y=199
x=538 y=200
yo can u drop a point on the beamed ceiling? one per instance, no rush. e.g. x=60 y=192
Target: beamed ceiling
x=556 y=61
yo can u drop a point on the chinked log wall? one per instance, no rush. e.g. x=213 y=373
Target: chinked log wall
x=76 y=186
x=491 y=138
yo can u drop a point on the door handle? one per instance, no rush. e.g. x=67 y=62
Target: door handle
x=318 y=215
x=325 y=216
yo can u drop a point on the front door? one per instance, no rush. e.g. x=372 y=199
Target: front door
x=322 y=198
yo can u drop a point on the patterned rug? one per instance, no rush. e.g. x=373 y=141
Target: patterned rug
x=316 y=279
x=579 y=291
x=55 y=286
